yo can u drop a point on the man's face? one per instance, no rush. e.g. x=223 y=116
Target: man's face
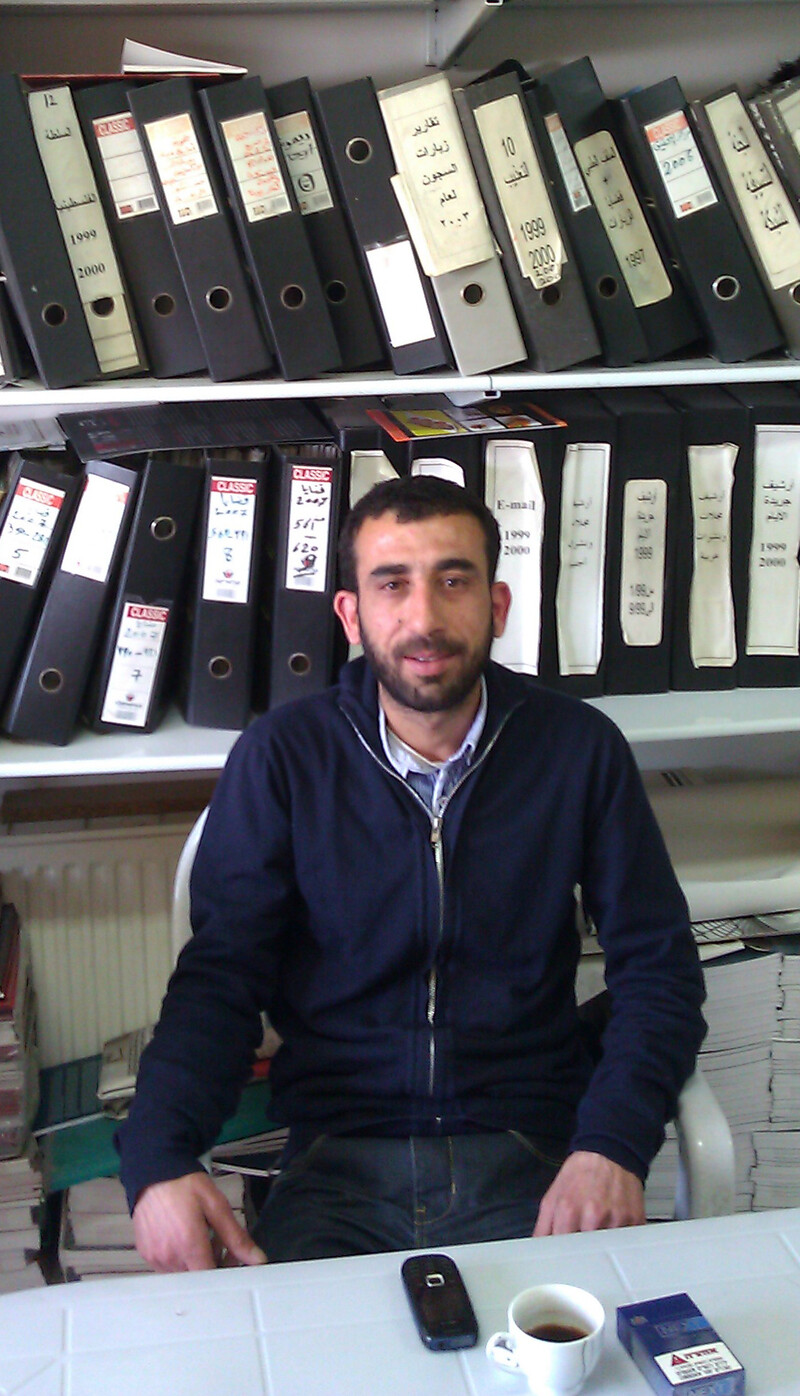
x=425 y=611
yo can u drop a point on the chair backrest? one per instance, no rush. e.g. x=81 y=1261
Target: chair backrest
x=180 y=920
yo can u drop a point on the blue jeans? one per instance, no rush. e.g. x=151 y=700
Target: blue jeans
x=354 y=1196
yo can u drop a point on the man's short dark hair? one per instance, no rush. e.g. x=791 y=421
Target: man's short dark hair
x=412 y=498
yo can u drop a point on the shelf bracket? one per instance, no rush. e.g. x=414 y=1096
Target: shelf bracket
x=453 y=24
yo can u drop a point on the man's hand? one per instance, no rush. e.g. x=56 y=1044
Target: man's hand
x=186 y=1224
x=589 y=1193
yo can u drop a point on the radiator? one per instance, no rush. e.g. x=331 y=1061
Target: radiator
x=95 y=904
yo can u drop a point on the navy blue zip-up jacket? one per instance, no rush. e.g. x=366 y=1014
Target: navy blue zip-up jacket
x=422 y=974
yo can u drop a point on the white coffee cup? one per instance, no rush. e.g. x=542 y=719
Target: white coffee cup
x=554 y=1338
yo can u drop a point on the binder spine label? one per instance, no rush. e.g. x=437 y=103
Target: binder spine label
x=181 y=168
x=134 y=668
x=229 y=539
x=514 y=494
x=310 y=500
x=440 y=467
x=125 y=166
x=680 y=164
x=299 y=146
x=712 y=632
x=255 y=165
x=95 y=528
x=773 y=611
x=621 y=214
x=773 y=223
x=27 y=531
x=521 y=190
x=577 y=192
x=84 y=228
x=449 y=226
x=582 y=557
x=644 y=537
x=398 y=287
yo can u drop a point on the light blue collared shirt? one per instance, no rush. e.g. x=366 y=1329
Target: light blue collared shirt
x=433 y=780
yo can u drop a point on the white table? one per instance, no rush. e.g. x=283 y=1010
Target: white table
x=342 y=1327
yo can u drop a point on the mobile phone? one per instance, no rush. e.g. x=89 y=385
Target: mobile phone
x=439 y=1302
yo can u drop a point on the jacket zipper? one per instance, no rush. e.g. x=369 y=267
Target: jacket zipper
x=438 y=858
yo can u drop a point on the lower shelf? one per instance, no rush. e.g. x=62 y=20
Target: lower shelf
x=176 y=747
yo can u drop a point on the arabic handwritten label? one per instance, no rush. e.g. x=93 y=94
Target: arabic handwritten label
x=179 y=160
x=712 y=631
x=95 y=528
x=125 y=166
x=400 y=294
x=521 y=189
x=644 y=536
x=229 y=539
x=577 y=193
x=27 y=530
x=680 y=164
x=435 y=177
x=303 y=161
x=772 y=221
x=309 y=528
x=255 y=165
x=83 y=228
x=134 y=668
x=514 y=494
x=582 y=556
x=773 y=610
x=616 y=202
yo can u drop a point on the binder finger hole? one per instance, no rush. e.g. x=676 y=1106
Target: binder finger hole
x=163 y=528
x=607 y=287
x=164 y=305
x=220 y=667
x=725 y=288
x=551 y=295
x=219 y=298
x=300 y=664
x=293 y=297
x=473 y=294
x=54 y=314
x=358 y=151
x=336 y=291
x=103 y=307
x=795 y=293
x=51 y=680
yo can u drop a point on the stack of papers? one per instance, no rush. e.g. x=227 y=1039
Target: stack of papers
x=96 y=1232
x=21 y=1205
x=776 y=1176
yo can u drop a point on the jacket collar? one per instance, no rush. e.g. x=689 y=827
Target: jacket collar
x=358 y=699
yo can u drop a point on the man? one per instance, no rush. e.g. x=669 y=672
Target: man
x=389 y=869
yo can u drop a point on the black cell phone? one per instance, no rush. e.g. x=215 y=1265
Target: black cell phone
x=439 y=1302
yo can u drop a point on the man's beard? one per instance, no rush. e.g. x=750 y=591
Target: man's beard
x=435 y=694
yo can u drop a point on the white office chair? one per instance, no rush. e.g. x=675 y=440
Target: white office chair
x=705 y=1183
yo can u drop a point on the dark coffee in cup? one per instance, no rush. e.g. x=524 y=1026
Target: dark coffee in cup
x=557 y=1332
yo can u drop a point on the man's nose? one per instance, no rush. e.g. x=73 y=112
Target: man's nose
x=423 y=610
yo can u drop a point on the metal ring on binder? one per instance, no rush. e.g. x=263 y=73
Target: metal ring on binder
x=726 y=288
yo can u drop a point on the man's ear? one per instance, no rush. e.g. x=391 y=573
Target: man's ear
x=501 y=603
x=345 y=605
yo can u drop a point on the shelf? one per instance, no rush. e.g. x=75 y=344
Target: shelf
x=131 y=391
x=175 y=747
x=739 y=712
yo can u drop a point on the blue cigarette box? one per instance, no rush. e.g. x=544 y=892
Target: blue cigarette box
x=677 y=1350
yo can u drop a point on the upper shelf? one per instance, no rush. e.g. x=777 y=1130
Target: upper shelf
x=114 y=392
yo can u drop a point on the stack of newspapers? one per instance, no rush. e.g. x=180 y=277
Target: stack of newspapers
x=21 y=1205
x=96 y=1232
